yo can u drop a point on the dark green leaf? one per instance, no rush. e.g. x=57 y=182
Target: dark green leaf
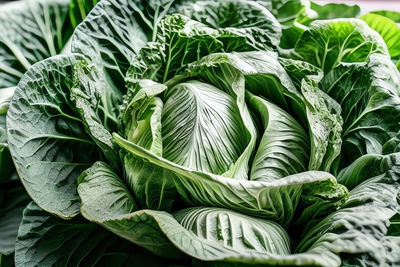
x=46 y=136
x=44 y=240
x=13 y=200
x=79 y=9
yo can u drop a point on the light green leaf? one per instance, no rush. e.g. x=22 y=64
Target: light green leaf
x=388 y=29
x=103 y=184
x=46 y=136
x=284 y=147
x=191 y=111
x=393 y=15
x=201 y=233
x=5 y=98
x=152 y=186
x=79 y=9
x=275 y=200
x=329 y=42
x=265 y=77
x=142 y=117
x=237 y=72
x=234 y=230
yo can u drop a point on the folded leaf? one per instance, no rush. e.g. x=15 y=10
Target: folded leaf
x=275 y=200
x=191 y=111
x=284 y=147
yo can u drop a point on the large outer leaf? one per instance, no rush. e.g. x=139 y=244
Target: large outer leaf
x=44 y=240
x=46 y=137
x=235 y=230
x=275 y=200
x=30 y=31
x=13 y=200
x=329 y=42
x=162 y=234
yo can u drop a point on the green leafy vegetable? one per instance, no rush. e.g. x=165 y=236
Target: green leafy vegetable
x=204 y=133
